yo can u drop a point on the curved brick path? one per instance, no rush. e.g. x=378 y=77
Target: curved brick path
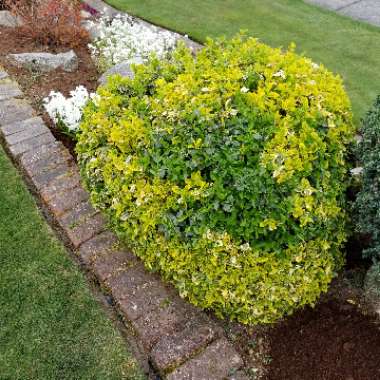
x=180 y=341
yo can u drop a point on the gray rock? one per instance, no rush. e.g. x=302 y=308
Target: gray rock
x=372 y=288
x=9 y=20
x=46 y=62
x=92 y=28
x=123 y=68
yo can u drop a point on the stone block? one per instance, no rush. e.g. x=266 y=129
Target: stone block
x=168 y=318
x=81 y=223
x=31 y=144
x=43 y=175
x=3 y=75
x=98 y=245
x=8 y=20
x=67 y=181
x=46 y=62
x=21 y=126
x=171 y=351
x=9 y=90
x=217 y=362
x=33 y=130
x=13 y=110
x=137 y=292
x=112 y=263
x=64 y=202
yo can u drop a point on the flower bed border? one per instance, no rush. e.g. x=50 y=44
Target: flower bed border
x=179 y=340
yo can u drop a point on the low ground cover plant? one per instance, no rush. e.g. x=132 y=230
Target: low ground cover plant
x=368 y=199
x=67 y=112
x=124 y=39
x=226 y=173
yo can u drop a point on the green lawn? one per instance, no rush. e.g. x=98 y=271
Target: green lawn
x=345 y=46
x=51 y=326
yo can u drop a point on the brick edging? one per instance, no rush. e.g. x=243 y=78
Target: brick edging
x=180 y=340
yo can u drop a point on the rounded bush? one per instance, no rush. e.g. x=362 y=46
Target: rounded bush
x=226 y=172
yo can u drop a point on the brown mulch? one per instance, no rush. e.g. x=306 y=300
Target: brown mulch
x=37 y=85
x=336 y=340
x=332 y=342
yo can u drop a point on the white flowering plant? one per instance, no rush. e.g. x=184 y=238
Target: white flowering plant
x=125 y=39
x=67 y=112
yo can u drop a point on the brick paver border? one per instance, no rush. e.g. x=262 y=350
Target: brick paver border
x=179 y=340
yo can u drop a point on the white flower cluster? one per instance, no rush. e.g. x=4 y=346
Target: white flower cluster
x=67 y=112
x=125 y=39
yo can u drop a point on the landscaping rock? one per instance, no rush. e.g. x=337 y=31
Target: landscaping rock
x=372 y=289
x=92 y=28
x=46 y=62
x=9 y=20
x=124 y=69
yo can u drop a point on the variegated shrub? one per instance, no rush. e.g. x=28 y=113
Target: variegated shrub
x=226 y=173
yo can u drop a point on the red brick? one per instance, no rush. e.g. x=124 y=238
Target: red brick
x=31 y=144
x=33 y=130
x=112 y=263
x=98 y=245
x=67 y=181
x=20 y=126
x=81 y=223
x=170 y=317
x=66 y=201
x=137 y=292
x=42 y=176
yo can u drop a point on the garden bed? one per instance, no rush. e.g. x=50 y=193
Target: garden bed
x=333 y=341
x=37 y=85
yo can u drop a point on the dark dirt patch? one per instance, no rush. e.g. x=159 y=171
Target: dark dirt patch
x=334 y=341
x=36 y=85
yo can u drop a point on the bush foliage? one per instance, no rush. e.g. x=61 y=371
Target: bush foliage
x=368 y=200
x=226 y=173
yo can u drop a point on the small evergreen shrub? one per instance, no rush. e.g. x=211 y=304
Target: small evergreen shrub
x=368 y=199
x=226 y=173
